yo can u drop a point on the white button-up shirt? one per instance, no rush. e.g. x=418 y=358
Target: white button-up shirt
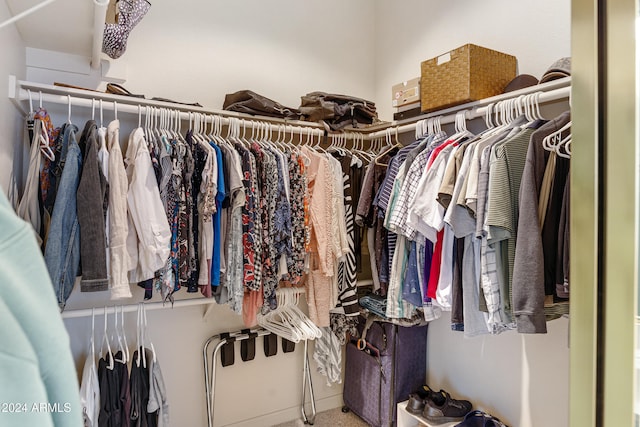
x=149 y=236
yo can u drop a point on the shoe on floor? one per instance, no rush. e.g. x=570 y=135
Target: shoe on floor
x=441 y=408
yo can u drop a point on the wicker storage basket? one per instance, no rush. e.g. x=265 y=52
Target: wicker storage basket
x=465 y=74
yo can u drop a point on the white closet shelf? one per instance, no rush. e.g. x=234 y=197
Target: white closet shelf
x=552 y=91
x=86 y=312
x=19 y=92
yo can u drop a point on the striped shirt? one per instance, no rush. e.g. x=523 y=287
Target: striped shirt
x=505 y=174
x=398 y=222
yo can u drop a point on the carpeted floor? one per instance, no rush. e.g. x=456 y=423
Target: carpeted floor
x=331 y=418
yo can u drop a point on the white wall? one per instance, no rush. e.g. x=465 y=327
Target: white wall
x=13 y=153
x=521 y=379
x=410 y=31
x=195 y=51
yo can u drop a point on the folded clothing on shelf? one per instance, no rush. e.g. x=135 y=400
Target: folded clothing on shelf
x=338 y=111
x=249 y=102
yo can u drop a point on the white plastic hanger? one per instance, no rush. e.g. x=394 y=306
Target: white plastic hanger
x=563 y=147
x=93 y=333
x=44 y=144
x=31 y=112
x=567 y=149
x=391 y=146
x=313 y=330
x=139 y=344
x=105 y=340
x=69 y=112
x=118 y=338
x=144 y=335
x=289 y=142
x=277 y=321
x=550 y=141
x=124 y=335
x=141 y=337
x=460 y=125
x=147 y=122
x=419 y=131
x=101 y=114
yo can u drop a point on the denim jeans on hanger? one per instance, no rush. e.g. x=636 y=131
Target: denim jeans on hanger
x=62 y=252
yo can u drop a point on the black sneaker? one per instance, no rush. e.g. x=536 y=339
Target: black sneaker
x=441 y=408
x=415 y=405
x=425 y=392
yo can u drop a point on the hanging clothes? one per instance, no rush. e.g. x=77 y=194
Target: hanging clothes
x=139 y=391
x=119 y=262
x=347 y=268
x=90 y=392
x=234 y=273
x=93 y=193
x=530 y=260
x=158 y=405
x=318 y=284
x=29 y=206
x=62 y=252
x=451 y=216
x=149 y=233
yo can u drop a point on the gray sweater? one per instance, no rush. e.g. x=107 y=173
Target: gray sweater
x=528 y=274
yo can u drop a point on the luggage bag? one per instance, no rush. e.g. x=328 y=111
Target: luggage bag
x=383 y=369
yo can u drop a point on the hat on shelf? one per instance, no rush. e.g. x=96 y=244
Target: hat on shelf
x=559 y=69
x=520 y=82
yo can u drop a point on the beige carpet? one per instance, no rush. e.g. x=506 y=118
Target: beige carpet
x=331 y=418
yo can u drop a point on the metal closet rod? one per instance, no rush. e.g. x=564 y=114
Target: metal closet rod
x=19 y=91
x=549 y=92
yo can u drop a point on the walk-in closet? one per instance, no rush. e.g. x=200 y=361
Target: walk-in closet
x=224 y=253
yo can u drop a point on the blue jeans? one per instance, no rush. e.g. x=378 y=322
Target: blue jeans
x=62 y=251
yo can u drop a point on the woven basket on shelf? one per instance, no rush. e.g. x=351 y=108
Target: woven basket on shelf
x=465 y=74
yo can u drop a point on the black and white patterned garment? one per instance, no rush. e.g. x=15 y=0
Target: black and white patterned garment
x=347 y=293
x=341 y=325
x=298 y=188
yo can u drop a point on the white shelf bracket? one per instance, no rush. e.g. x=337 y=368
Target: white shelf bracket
x=99 y=15
x=13 y=96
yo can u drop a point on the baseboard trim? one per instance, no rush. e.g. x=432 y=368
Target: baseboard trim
x=290 y=414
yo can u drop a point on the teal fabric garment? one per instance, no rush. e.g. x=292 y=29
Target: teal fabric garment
x=36 y=367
